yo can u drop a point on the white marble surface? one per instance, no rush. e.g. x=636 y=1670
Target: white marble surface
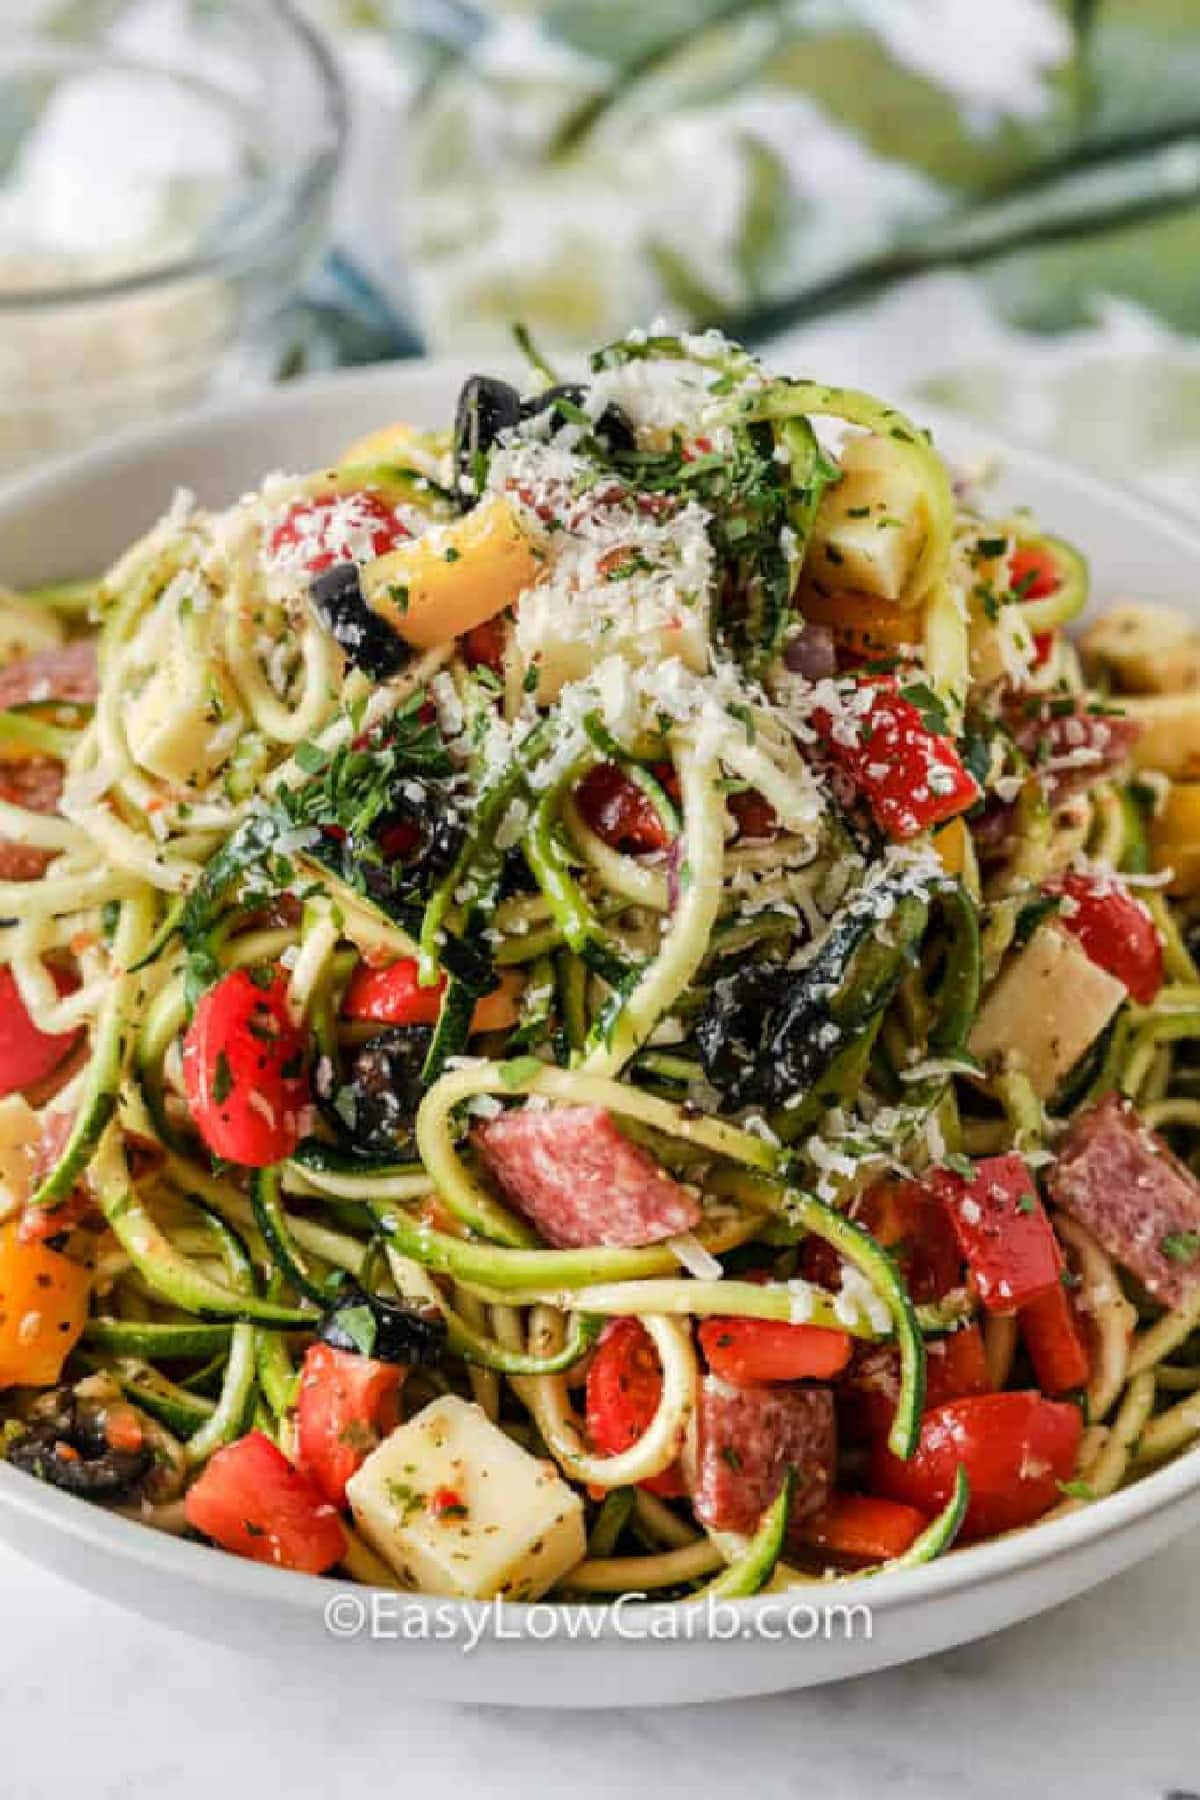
x=1100 y=1698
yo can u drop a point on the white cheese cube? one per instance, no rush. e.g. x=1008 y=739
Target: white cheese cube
x=520 y=1527
x=20 y=1134
x=184 y=723
x=1050 y=1003
x=636 y=589
x=871 y=525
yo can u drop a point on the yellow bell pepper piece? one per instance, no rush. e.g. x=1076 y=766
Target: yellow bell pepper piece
x=455 y=576
x=43 y=1306
x=1175 y=838
x=863 y=624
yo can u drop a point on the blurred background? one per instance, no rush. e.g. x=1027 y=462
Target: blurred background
x=990 y=203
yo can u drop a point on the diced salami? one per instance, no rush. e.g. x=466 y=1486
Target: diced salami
x=1075 y=749
x=1120 y=1180
x=35 y=784
x=749 y=1438
x=68 y=674
x=581 y=1181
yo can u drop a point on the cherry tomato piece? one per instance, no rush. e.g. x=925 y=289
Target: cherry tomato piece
x=624 y=1386
x=1114 y=928
x=318 y=531
x=243 y=1069
x=346 y=1405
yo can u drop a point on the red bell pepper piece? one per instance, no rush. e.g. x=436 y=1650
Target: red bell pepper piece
x=1114 y=928
x=252 y=1502
x=1055 y=1342
x=1002 y=1231
x=912 y=778
x=746 y=1352
x=859 y=1528
x=624 y=1386
x=345 y=1406
x=1016 y=1449
x=392 y=995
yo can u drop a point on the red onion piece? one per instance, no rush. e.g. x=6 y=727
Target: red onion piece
x=812 y=653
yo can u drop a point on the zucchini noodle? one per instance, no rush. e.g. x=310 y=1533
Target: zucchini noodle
x=595 y=946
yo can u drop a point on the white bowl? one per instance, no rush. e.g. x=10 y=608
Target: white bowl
x=71 y=519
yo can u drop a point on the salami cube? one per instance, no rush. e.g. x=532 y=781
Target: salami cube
x=581 y=1181
x=67 y=673
x=749 y=1438
x=1121 y=1181
x=1073 y=750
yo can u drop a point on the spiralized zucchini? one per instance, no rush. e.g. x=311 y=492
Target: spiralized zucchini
x=750 y=896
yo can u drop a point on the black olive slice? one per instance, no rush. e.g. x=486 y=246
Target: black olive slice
x=339 y=602
x=486 y=407
x=387 y=1330
x=612 y=429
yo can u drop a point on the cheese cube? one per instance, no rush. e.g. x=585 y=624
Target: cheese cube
x=871 y=525
x=20 y=1135
x=455 y=1507
x=183 y=724
x=1049 y=1005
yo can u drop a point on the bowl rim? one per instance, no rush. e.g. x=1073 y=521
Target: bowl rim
x=1163 y=1491
x=298 y=196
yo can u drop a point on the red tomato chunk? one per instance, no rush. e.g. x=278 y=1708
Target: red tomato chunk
x=317 y=532
x=251 y=1501
x=1016 y=1450
x=345 y=1407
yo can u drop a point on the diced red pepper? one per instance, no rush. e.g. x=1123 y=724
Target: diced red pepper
x=1055 y=1342
x=746 y=1352
x=446 y=1503
x=1114 y=928
x=619 y=812
x=912 y=778
x=345 y=1406
x=392 y=995
x=858 y=1528
x=251 y=1501
x=1016 y=1449
x=624 y=1386
x=1002 y=1230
